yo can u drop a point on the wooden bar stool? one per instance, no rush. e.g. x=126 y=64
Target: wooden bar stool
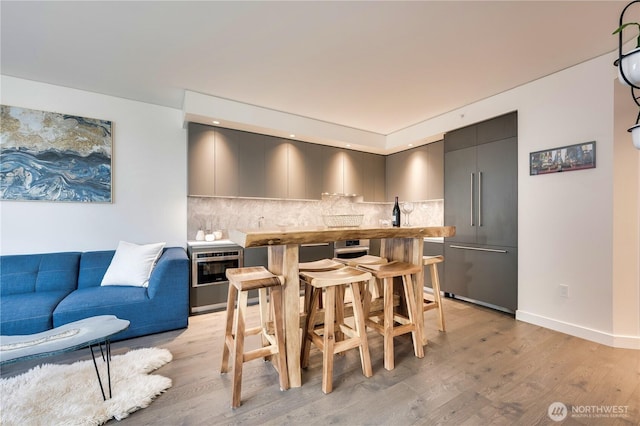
x=367 y=259
x=436 y=303
x=334 y=282
x=412 y=323
x=241 y=281
x=316 y=266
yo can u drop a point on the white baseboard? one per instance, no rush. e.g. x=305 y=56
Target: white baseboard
x=616 y=341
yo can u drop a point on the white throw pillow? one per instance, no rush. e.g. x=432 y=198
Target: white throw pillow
x=132 y=264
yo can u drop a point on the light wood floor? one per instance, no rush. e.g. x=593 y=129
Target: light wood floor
x=487 y=369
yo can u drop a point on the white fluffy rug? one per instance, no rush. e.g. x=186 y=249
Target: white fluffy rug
x=70 y=395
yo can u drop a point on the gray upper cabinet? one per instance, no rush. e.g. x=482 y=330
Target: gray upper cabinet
x=200 y=159
x=435 y=170
x=226 y=162
x=416 y=174
x=297 y=169
x=251 y=164
x=312 y=170
x=276 y=165
x=332 y=170
x=353 y=172
x=395 y=175
x=373 y=186
x=503 y=127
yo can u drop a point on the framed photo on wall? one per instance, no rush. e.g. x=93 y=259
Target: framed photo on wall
x=563 y=159
x=48 y=156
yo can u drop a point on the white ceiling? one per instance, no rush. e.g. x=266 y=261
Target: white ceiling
x=374 y=66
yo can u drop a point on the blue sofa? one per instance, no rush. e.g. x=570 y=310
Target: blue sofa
x=42 y=291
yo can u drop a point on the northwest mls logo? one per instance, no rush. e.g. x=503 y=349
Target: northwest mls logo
x=557 y=411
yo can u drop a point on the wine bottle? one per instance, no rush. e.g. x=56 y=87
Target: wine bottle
x=395 y=219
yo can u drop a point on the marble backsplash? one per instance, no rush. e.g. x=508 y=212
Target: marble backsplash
x=220 y=213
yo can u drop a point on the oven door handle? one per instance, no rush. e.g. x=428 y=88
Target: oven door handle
x=215 y=259
x=351 y=249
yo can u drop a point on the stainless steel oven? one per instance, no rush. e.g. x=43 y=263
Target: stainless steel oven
x=209 y=284
x=350 y=249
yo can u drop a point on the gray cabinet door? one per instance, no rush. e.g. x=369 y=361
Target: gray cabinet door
x=395 y=179
x=502 y=127
x=416 y=174
x=332 y=170
x=296 y=169
x=435 y=170
x=497 y=190
x=460 y=179
x=353 y=172
x=226 y=163
x=313 y=252
x=373 y=177
x=276 y=168
x=490 y=277
x=481 y=193
x=257 y=256
x=313 y=171
x=200 y=160
x=251 y=164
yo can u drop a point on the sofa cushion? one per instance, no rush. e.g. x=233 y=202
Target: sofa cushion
x=38 y=272
x=125 y=302
x=93 y=265
x=132 y=264
x=28 y=313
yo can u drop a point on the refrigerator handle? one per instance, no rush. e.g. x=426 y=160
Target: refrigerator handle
x=479 y=198
x=471 y=201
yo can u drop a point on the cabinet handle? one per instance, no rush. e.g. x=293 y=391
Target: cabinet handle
x=471 y=201
x=478 y=249
x=479 y=198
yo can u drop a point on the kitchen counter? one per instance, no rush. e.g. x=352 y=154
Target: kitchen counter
x=402 y=244
x=208 y=244
x=311 y=235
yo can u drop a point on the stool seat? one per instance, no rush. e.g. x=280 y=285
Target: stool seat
x=431 y=260
x=320 y=265
x=252 y=278
x=391 y=269
x=436 y=303
x=241 y=280
x=345 y=275
x=330 y=339
x=367 y=259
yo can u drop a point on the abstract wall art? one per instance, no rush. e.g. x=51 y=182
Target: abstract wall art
x=48 y=156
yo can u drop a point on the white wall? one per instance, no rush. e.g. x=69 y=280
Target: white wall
x=566 y=220
x=149 y=178
x=626 y=220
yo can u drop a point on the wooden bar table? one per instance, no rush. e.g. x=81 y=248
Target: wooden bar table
x=402 y=244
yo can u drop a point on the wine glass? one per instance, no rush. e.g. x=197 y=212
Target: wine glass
x=407 y=208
